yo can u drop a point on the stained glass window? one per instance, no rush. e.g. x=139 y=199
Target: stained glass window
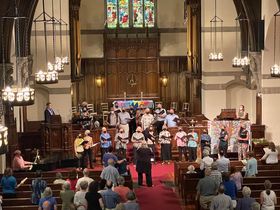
x=123 y=13
x=130 y=13
x=137 y=13
x=112 y=20
x=149 y=15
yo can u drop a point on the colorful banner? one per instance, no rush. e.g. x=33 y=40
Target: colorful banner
x=135 y=103
x=232 y=127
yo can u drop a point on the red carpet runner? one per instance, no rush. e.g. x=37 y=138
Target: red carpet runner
x=159 y=197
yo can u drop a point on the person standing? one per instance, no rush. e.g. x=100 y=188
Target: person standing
x=251 y=166
x=79 y=150
x=268 y=197
x=241 y=114
x=48 y=112
x=80 y=201
x=221 y=201
x=87 y=144
x=146 y=119
x=93 y=197
x=181 y=139
x=205 y=141
x=143 y=164
x=123 y=120
x=67 y=197
x=105 y=140
x=160 y=115
x=243 y=142
x=113 y=118
x=245 y=202
x=223 y=144
x=223 y=163
x=132 y=120
x=151 y=139
x=171 y=119
x=206 y=189
x=165 y=143
x=137 y=138
x=47 y=201
x=192 y=145
x=121 y=140
x=38 y=186
x=110 y=173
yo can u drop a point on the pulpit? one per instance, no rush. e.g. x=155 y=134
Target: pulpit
x=57 y=139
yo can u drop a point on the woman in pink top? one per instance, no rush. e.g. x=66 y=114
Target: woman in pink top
x=19 y=163
x=236 y=176
x=73 y=179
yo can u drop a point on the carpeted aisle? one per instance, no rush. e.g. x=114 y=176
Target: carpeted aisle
x=160 y=196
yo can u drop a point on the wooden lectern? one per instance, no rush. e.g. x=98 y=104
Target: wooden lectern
x=57 y=141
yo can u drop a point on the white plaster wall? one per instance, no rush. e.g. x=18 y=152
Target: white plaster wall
x=270 y=116
x=92 y=14
x=212 y=102
x=270 y=102
x=60 y=105
x=170 y=14
x=173 y=44
x=36 y=111
x=92 y=46
x=237 y=95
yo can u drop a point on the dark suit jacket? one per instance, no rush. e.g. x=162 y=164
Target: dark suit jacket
x=48 y=115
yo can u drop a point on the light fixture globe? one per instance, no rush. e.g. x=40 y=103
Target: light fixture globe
x=216 y=56
x=18 y=96
x=57 y=66
x=49 y=77
x=275 y=71
x=236 y=62
x=3 y=135
x=65 y=60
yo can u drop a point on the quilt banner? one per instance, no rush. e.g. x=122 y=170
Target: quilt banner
x=232 y=127
x=135 y=104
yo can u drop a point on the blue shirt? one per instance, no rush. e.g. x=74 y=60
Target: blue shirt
x=205 y=138
x=169 y=120
x=108 y=156
x=8 y=184
x=192 y=141
x=230 y=189
x=47 y=203
x=251 y=167
x=111 y=198
x=107 y=143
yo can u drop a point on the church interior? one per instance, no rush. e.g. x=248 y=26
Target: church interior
x=72 y=68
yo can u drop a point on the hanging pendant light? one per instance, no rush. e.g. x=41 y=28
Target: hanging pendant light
x=238 y=61
x=64 y=60
x=19 y=94
x=56 y=64
x=216 y=53
x=275 y=69
x=50 y=75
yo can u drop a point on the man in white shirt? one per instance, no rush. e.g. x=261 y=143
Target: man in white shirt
x=84 y=178
x=223 y=163
x=146 y=119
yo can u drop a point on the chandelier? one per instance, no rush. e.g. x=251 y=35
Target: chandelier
x=216 y=53
x=63 y=60
x=239 y=61
x=19 y=94
x=50 y=75
x=275 y=69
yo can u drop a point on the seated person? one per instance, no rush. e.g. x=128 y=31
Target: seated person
x=191 y=170
x=271 y=154
x=131 y=202
x=59 y=179
x=19 y=164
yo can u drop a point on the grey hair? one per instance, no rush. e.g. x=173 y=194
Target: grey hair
x=84 y=185
x=58 y=175
x=246 y=191
x=47 y=192
x=121 y=180
x=66 y=185
x=255 y=206
x=86 y=172
x=214 y=166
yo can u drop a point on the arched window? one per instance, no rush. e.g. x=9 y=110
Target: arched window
x=130 y=13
